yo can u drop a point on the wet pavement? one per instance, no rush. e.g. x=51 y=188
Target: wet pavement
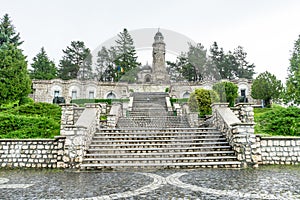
x=273 y=182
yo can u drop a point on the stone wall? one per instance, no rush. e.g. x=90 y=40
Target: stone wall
x=78 y=133
x=114 y=115
x=240 y=135
x=31 y=153
x=280 y=150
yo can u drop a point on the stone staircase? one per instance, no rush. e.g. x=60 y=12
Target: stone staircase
x=150 y=137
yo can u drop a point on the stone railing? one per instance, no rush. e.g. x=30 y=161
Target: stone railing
x=244 y=111
x=32 y=153
x=239 y=135
x=168 y=104
x=114 y=115
x=78 y=134
x=130 y=104
x=191 y=116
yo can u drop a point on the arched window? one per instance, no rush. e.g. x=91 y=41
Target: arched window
x=147 y=78
x=111 y=95
x=186 y=95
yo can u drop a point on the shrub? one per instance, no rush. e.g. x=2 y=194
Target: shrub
x=278 y=121
x=33 y=120
x=14 y=126
x=227 y=92
x=201 y=100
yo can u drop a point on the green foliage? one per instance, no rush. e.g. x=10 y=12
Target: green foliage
x=231 y=65
x=200 y=101
x=167 y=89
x=14 y=79
x=42 y=67
x=126 y=59
x=180 y=101
x=278 y=121
x=293 y=81
x=76 y=61
x=8 y=34
x=192 y=66
x=266 y=87
x=81 y=102
x=33 y=120
x=227 y=92
x=105 y=70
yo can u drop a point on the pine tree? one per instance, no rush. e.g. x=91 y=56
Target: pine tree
x=293 y=80
x=74 y=58
x=266 y=87
x=14 y=79
x=42 y=67
x=106 y=70
x=126 y=54
x=8 y=33
x=231 y=65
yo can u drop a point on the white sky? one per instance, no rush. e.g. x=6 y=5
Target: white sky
x=266 y=29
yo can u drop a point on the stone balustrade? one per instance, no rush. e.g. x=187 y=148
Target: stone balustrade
x=114 y=115
x=244 y=111
x=79 y=134
x=239 y=135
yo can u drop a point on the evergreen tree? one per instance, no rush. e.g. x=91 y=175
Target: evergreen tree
x=231 y=65
x=192 y=66
x=85 y=71
x=14 y=79
x=227 y=92
x=8 y=33
x=42 y=67
x=106 y=69
x=126 y=59
x=74 y=58
x=293 y=80
x=266 y=87
x=244 y=69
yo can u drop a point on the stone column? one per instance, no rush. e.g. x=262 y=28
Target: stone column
x=244 y=112
x=67 y=115
x=245 y=144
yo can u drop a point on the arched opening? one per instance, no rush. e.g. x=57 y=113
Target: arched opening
x=186 y=95
x=147 y=78
x=110 y=95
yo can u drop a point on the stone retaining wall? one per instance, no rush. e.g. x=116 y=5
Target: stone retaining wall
x=280 y=150
x=31 y=153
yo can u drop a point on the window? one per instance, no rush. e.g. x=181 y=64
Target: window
x=56 y=93
x=243 y=92
x=91 y=95
x=111 y=95
x=74 y=94
x=186 y=95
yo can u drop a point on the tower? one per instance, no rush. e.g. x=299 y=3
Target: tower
x=159 y=70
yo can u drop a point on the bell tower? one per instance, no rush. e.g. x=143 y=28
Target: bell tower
x=160 y=74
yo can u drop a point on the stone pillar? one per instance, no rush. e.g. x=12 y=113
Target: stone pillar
x=67 y=115
x=245 y=144
x=244 y=111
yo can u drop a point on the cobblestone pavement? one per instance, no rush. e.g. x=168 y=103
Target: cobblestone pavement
x=276 y=182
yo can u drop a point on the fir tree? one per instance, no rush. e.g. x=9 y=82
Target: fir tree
x=8 y=33
x=42 y=67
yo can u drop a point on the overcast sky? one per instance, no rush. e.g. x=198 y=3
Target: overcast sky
x=267 y=29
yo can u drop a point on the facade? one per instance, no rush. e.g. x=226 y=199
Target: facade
x=149 y=79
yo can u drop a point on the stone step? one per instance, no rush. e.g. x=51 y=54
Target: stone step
x=162 y=154
x=157 y=144
x=147 y=132
x=161 y=158
x=161 y=130
x=155 y=141
x=188 y=148
x=166 y=165
x=159 y=137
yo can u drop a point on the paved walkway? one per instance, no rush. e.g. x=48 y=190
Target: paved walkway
x=265 y=183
